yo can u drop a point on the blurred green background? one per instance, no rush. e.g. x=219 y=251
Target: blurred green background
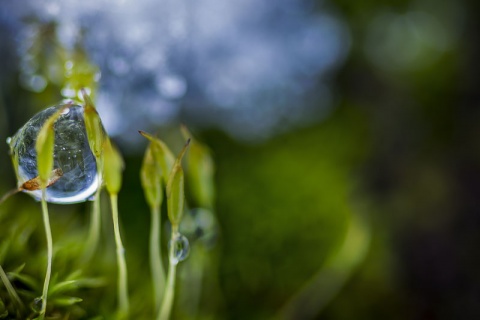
x=371 y=213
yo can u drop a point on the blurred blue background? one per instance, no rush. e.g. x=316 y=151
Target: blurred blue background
x=344 y=136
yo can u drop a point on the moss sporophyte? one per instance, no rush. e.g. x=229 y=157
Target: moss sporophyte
x=63 y=155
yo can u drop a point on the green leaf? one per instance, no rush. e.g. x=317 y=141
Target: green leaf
x=19 y=269
x=200 y=175
x=162 y=155
x=151 y=177
x=44 y=147
x=63 y=287
x=69 y=285
x=112 y=170
x=93 y=125
x=4 y=246
x=31 y=282
x=66 y=301
x=175 y=190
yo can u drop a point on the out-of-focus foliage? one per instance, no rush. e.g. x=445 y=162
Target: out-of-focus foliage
x=286 y=212
x=399 y=153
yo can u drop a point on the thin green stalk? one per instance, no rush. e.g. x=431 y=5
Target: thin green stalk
x=48 y=233
x=124 y=305
x=167 y=303
x=9 y=194
x=94 y=230
x=156 y=267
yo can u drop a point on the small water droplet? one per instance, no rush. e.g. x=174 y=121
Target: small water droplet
x=181 y=248
x=9 y=139
x=37 y=304
x=206 y=228
x=205 y=219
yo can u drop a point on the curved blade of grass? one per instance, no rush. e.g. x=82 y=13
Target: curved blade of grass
x=328 y=281
x=11 y=291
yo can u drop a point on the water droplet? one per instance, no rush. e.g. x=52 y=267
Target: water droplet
x=9 y=139
x=206 y=227
x=37 y=304
x=204 y=219
x=79 y=180
x=181 y=248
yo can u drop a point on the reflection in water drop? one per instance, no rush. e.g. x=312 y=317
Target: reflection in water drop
x=202 y=226
x=72 y=155
x=65 y=111
x=181 y=248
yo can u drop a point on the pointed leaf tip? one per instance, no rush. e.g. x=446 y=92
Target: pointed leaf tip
x=87 y=98
x=182 y=153
x=161 y=154
x=147 y=135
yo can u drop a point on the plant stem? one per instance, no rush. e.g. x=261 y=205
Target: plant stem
x=48 y=233
x=122 y=266
x=158 y=274
x=167 y=303
x=11 y=291
x=94 y=230
x=9 y=194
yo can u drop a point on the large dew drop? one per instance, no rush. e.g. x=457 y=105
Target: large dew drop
x=72 y=155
